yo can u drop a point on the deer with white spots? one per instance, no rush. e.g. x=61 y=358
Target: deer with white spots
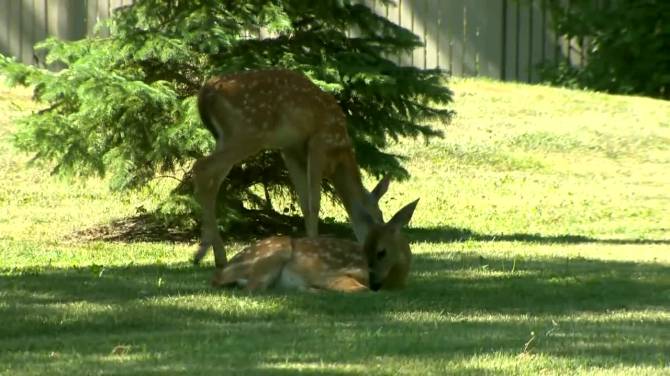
x=323 y=263
x=280 y=110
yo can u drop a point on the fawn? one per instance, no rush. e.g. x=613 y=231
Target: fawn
x=324 y=263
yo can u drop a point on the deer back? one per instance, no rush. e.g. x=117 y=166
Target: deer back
x=280 y=107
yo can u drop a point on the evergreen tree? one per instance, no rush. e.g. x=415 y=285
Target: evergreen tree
x=124 y=102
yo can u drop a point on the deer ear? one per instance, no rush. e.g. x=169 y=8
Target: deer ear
x=403 y=216
x=381 y=188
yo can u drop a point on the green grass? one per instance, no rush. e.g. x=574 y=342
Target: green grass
x=541 y=242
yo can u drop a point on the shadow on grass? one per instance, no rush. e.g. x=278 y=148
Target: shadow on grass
x=258 y=223
x=148 y=228
x=159 y=308
x=454 y=234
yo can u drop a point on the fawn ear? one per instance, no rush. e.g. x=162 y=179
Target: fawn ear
x=381 y=188
x=403 y=216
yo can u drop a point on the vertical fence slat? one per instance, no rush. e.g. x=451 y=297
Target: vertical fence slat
x=40 y=31
x=549 y=48
x=524 y=42
x=406 y=20
x=454 y=39
x=26 y=33
x=380 y=8
x=91 y=15
x=393 y=14
x=431 y=16
x=539 y=29
x=441 y=39
x=470 y=36
x=52 y=18
x=418 y=27
x=70 y=18
x=103 y=14
x=14 y=25
x=4 y=28
x=489 y=46
x=511 y=43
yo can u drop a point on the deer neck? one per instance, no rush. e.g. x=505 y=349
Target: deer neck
x=348 y=184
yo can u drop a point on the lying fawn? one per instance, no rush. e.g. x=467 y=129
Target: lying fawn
x=323 y=263
x=281 y=110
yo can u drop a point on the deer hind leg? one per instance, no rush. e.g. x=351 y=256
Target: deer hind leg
x=259 y=275
x=295 y=162
x=266 y=270
x=232 y=274
x=315 y=163
x=345 y=284
x=208 y=174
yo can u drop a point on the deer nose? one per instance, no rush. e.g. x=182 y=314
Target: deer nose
x=374 y=284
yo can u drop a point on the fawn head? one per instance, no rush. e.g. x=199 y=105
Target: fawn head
x=387 y=250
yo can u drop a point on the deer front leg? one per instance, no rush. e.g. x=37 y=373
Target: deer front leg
x=208 y=174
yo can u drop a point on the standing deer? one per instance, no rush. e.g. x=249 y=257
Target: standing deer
x=253 y=111
x=323 y=263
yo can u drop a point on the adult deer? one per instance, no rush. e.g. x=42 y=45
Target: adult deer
x=323 y=263
x=282 y=110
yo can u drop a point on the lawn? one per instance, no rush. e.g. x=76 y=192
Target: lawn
x=541 y=244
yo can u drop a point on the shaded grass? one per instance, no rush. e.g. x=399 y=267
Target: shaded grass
x=541 y=246
x=594 y=313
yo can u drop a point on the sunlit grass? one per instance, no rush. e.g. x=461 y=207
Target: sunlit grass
x=541 y=242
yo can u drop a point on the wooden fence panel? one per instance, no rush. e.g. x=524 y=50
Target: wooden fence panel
x=501 y=39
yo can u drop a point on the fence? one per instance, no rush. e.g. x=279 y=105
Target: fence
x=501 y=39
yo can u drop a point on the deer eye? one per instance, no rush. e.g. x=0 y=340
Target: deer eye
x=381 y=254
